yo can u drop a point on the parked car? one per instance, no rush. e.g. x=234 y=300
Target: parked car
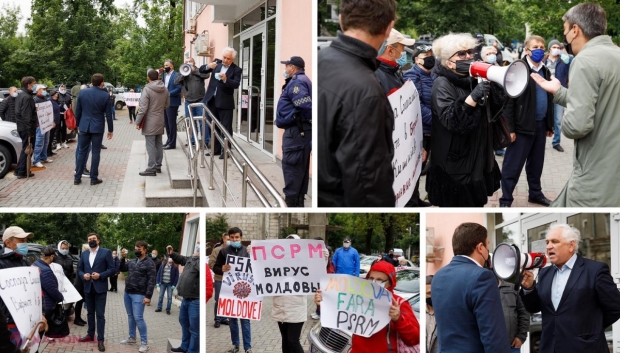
x=10 y=146
x=119 y=102
x=327 y=340
x=508 y=54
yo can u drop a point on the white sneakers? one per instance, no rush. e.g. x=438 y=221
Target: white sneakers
x=64 y=145
x=48 y=160
x=130 y=340
x=38 y=165
x=58 y=147
x=143 y=348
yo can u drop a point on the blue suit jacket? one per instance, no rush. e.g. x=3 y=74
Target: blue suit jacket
x=225 y=98
x=92 y=110
x=103 y=265
x=590 y=302
x=468 y=309
x=174 y=90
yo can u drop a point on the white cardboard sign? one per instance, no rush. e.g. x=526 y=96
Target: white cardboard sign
x=238 y=298
x=20 y=289
x=45 y=113
x=132 y=99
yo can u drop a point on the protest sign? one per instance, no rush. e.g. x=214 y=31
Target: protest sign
x=288 y=267
x=45 y=113
x=354 y=305
x=65 y=286
x=132 y=99
x=60 y=274
x=407 y=139
x=20 y=290
x=238 y=297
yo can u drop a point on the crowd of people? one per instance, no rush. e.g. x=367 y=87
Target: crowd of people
x=97 y=274
x=290 y=312
x=462 y=115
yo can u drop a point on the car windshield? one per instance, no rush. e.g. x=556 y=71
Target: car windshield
x=367 y=260
x=408 y=281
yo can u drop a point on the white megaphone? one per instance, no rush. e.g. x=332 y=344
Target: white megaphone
x=509 y=263
x=513 y=78
x=185 y=69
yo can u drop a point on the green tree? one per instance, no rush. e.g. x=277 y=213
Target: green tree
x=9 y=42
x=216 y=226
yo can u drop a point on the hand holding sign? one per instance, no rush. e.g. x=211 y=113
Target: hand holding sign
x=226 y=268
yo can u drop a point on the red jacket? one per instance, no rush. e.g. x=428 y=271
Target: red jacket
x=407 y=327
x=209 y=284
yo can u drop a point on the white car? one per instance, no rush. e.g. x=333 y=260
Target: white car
x=508 y=54
x=10 y=146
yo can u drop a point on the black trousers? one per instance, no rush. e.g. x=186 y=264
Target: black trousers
x=20 y=170
x=132 y=113
x=49 y=144
x=225 y=116
x=171 y=125
x=61 y=130
x=290 y=333
x=114 y=283
x=414 y=201
x=528 y=150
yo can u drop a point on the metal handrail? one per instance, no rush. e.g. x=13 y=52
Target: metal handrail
x=243 y=164
x=194 y=153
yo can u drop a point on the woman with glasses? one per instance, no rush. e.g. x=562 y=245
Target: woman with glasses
x=463 y=170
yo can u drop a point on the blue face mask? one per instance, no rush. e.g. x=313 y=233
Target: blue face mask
x=63 y=252
x=227 y=242
x=491 y=59
x=44 y=93
x=285 y=74
x=537 y=55
x=14 y=95
x=565 y=58
x=236 y=244
x=382 y=49
x=402 y=60
x=22 y=249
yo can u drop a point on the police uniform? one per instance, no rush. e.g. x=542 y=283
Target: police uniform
x=294 y=115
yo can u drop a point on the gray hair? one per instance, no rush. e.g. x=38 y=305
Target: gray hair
x=590 y=17
x=444 y=47
x=569 y=233
x=485 y=50
x=169 y=61
x=229 y=49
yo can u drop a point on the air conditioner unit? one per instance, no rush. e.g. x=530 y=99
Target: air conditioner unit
x=202 y=45
x=433 y=253
x=192 y=26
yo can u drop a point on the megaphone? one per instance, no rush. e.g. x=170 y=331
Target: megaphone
x=513 y=78
x=509 y=263
x=185 y=69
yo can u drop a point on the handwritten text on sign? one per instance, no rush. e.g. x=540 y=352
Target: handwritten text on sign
x=238 y=297
x=45 y=113
x=288 y=267
x=407 y=138
x=20 y=289
x=354 y=305
x=131 y=98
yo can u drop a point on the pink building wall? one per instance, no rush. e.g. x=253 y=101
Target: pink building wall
x=444 y=225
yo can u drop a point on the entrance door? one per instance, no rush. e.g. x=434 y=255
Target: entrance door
x=251 y=121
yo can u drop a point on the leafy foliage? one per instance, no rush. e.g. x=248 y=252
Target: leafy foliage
x=216 y=226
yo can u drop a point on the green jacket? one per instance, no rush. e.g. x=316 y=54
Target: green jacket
x=592 y=119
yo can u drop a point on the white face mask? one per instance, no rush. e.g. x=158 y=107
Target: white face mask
x=346 y=245
x=555 y=52
x=379 y=283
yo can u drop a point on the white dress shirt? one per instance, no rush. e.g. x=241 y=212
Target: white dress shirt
x=222 y=71
x=92 y=255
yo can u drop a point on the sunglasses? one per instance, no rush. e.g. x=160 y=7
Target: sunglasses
x=462 y=54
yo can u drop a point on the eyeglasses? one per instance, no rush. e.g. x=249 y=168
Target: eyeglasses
x=463 y=54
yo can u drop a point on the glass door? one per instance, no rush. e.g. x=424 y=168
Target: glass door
x=251 y=124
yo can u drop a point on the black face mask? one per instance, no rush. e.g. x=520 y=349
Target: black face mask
x=92 y=244
x=138 y=253
x=462 y=67
x=167 y=69
x=429 y=301
x=568 y=46
x=487 y=262
x=429 y=62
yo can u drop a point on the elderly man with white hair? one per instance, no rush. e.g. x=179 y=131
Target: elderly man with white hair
x=577 y=297
x=220 y=96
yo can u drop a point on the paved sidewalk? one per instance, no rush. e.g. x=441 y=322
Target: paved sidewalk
x=160 y=327
x=53 y=186
x=557 y=169
x=265 y=334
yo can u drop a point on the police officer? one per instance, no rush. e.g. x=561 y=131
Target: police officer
x=294 y=115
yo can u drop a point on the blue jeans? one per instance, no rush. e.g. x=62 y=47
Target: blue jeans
x=515 y=350
x=197 y=111
x=189 y=318
x=96 y=307
x=245 y=328
x=558 y=111
x=163 y=288
x=217 y=286
x=135 y=311
x=88 y=140
x=40 y=146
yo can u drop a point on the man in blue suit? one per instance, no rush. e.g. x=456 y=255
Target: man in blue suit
x=577 y=297
x=95 y=267
x=170 y=123
x=468 y=308
x=220 y=96
x=91 y=113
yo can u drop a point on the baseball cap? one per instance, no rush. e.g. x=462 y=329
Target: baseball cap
x=16 y=232
x=397 y=37
x=295 y=60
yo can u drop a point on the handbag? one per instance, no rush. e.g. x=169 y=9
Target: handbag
x=70 y=119
x=501 y=133
x=57 y=323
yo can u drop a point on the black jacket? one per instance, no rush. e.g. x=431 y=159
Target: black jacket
x=355 y=128
x=67 y=265
x=141 y=277
x=5 y=337
x=157 y=264
x=26 y=113
x=7 y=109
x=64 y=99
x=10 y=260
x=223 y=254
x=517 y=319
x=390 y=77
x=189 y=282
x=225 y=97
x=521 y=112
x=193 y=85
x=49 y=286
x=463 y=170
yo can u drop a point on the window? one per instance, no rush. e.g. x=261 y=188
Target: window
x=595 y=235
x=192 y=237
